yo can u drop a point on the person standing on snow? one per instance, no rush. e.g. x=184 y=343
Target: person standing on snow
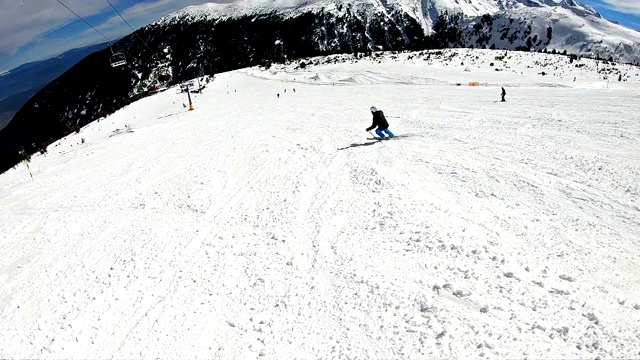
x=504 y=93
x=380 y=122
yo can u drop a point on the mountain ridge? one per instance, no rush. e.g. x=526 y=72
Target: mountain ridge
x=593 y=35
x=470 y=8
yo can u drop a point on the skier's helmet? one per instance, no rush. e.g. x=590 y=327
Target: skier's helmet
x=373 y=109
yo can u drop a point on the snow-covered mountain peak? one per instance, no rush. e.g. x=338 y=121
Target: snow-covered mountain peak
x=466 y=7
x=577 y=28
x=248 y=7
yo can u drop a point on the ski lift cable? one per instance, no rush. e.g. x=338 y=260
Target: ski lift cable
x=85 y=21
x=98 y=31
x=158 y=55
x=130 y=27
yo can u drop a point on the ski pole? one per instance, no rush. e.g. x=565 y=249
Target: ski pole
x=27 y=163
x=379 y=139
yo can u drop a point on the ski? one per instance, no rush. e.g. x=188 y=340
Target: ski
x=387 y=138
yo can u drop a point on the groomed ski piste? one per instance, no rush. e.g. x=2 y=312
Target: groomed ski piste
x=264 y=225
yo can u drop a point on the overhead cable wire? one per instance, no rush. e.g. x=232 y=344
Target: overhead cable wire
x=85 y=21
x=98 y=31
x=130 y=27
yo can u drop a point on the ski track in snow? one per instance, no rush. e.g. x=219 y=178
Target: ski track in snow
x=268 y=227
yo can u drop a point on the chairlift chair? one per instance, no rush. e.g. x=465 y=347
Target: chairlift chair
x=118 y=59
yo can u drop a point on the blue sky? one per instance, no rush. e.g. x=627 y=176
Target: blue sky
x=626 y=12
x=32 y=30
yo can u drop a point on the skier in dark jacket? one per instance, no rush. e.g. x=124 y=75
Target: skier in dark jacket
x=380 y=122
x=504 y=93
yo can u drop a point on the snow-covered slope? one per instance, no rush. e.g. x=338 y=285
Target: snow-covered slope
x=597 y=37
x=264 y=225
x=589 y=35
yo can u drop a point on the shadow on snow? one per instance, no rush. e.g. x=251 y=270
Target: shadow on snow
x=369 y=143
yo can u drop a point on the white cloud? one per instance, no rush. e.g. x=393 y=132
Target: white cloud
x=624 y=6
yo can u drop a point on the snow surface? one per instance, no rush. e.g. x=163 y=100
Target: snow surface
x=259 y=226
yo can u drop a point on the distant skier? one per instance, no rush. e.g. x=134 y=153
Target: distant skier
x=504 y=93
x=380 y=122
